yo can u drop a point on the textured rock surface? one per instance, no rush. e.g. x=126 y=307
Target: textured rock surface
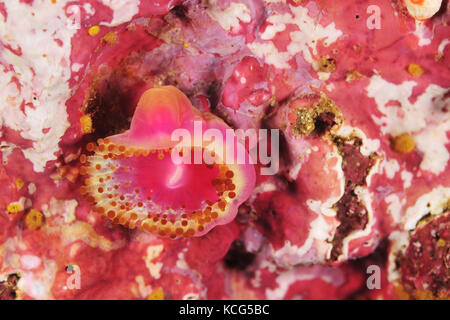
x=362 y=106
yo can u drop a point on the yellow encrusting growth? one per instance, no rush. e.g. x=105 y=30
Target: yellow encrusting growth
x=94 y=30
x=34 y=219
x=403 y=143
x=19 y=183
x=353 y=75
x=400 y=292
x=14 y=207
x=415 y=70
x=86 y=124
x=306 y=117
x=110 y=37
x=424 y=295
x=157 y=294
x=326 y=64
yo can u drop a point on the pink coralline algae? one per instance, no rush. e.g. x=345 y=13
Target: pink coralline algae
x=248 y=149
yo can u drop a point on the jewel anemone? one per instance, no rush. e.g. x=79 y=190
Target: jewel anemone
x=132 y=180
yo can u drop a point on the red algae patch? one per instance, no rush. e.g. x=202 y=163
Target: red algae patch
x=425 y=266
x=352 y=214
x=132 y=179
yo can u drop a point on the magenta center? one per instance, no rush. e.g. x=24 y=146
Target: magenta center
x=158 y=179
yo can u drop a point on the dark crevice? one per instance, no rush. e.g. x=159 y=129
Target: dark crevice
x=8 y=287
x=180 y=12
x=213 y=95
x=105 y=105
x=323 y=123
x=238 y=257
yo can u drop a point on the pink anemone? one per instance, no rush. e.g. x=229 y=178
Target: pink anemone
x=145 y=178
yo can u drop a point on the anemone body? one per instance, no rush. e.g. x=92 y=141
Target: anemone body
x=133 y=180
